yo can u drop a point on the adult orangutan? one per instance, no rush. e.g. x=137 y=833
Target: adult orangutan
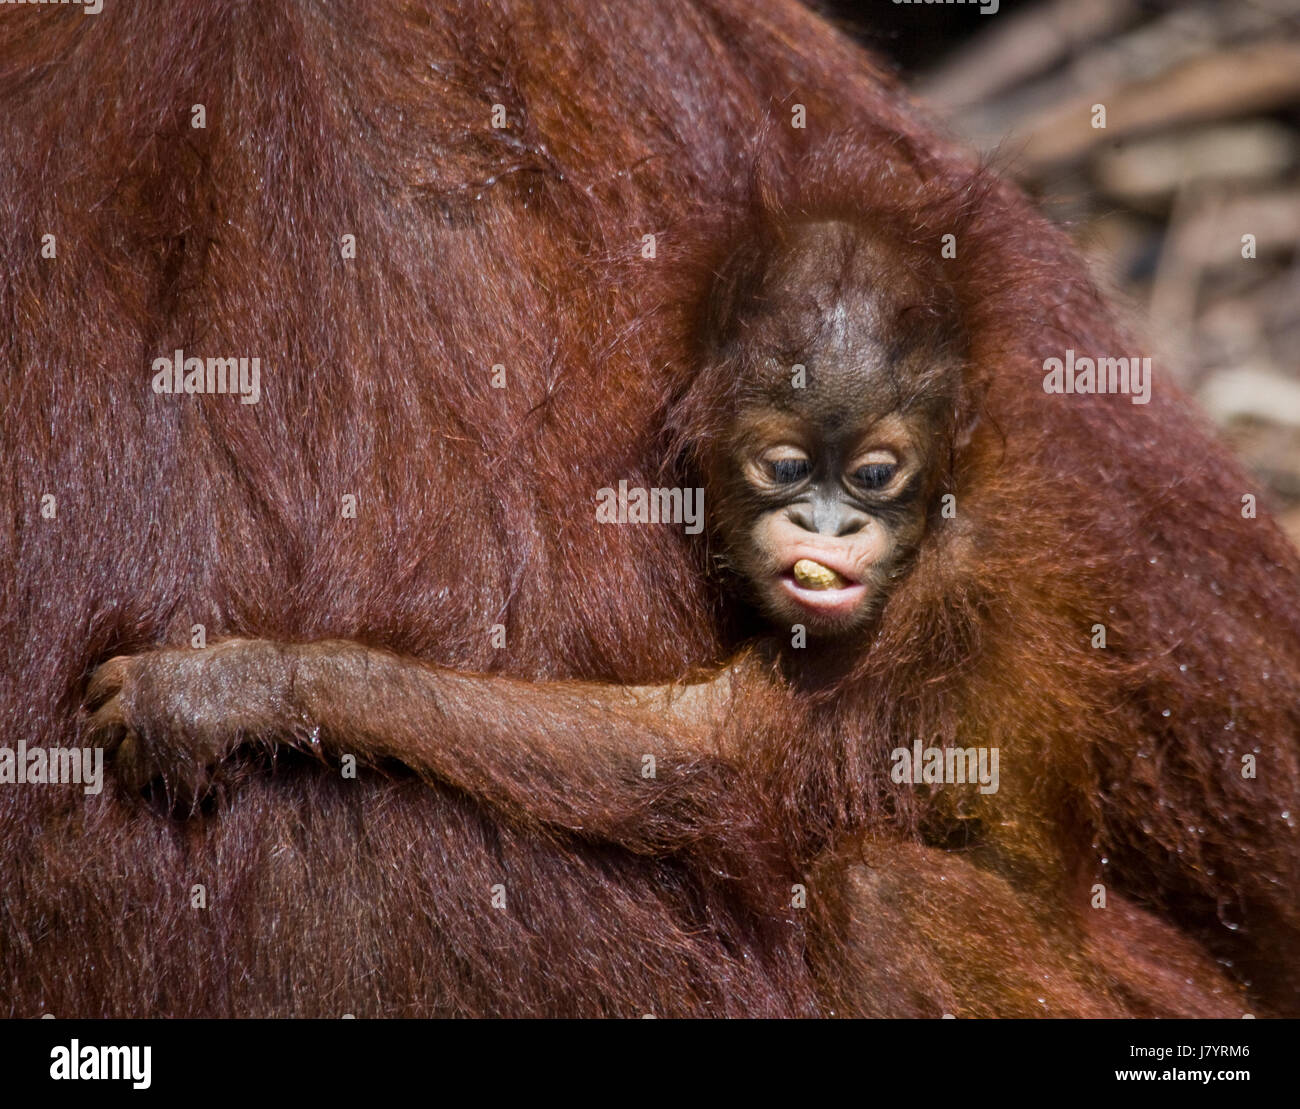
x=397 y=209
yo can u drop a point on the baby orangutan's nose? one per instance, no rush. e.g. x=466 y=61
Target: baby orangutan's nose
x=827 y=517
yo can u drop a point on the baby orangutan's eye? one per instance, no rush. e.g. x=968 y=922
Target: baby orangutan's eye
x=787 y=471
x=876 y=475
x=876 y=470
x=783 y=464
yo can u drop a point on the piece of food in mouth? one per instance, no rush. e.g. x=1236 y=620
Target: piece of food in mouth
x=813 y=575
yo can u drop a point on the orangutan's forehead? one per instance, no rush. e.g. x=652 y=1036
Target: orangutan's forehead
x=851 y=381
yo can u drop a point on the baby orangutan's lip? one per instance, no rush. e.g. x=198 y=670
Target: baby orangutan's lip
x=834 y=600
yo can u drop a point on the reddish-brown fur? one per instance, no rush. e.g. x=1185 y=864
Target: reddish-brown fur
x=522 y=246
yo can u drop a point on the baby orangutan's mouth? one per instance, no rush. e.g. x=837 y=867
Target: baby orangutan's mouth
x=813 y=575
x=829 y=590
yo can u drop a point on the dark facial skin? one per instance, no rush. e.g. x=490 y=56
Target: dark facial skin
x=843 y=471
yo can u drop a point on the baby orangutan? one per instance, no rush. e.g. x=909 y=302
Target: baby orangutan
x=825 y=419
x=838 y=378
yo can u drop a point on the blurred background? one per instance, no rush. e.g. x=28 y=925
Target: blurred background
x=1201 y=147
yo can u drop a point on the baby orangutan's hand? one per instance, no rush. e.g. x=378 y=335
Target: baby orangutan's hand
x=176 y=712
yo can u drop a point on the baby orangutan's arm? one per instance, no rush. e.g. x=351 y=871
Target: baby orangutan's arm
x=570 y=754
